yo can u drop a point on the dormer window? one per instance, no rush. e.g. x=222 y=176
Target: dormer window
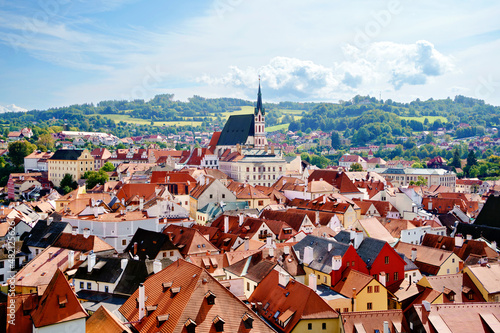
x=190 y=325
x=161 y=319
x=175 y=290
x=219 y=324
x=210 y=297
x=247 y=320
x=166 y=286
x=150 y=309
x=62 y=300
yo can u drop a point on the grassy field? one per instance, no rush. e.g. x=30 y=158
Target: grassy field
x=277 y=127
x=422 y=118
x=126 y=118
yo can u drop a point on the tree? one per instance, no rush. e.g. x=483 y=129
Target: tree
x=421 y=181
x=68 y=182
x=108 y=167
x=417 y=165
x=471 y=158
x=356 y=167
x=47 y=141
x=456 y=159
x=335 y=140
x=95 y=177
x=18 y=150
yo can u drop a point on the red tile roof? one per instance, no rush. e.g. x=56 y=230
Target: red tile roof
x=58 y=304
x=193 y=283
x=293 y=302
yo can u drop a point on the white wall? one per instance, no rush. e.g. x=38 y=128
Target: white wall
x=73 y=326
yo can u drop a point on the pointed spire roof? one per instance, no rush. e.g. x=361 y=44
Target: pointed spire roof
x=58 y=303
x=259 y=102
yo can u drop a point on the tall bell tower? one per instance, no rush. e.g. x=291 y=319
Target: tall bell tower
x=260 y=140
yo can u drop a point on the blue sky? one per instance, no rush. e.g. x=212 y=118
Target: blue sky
x=62 y=52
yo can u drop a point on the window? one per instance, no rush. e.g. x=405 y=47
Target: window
x=347 y=264
x=369 y=306
x=248 y=286
x=223 y=196
x=81 y=285
x=106 y=289
x=470 y=296
x=261 y=203
x=386 y=260
x=377 y=289
x=346 y=309
x=452 y=297
x=352 y=263
x=211 y=196
x=323 y=326
x=89 y=286
x=396 y=276
x=124 y=242
x=2 y=264
x=1 y=277
x=453 y=260
x=369 y=289
x=310 y=326
x=324 y=279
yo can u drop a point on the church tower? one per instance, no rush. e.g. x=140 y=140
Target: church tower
x=260 y=140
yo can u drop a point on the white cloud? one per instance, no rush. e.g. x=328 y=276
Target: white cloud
x=381 y=65
x=11 y=108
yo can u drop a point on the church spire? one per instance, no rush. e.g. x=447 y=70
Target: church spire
x=259 y=102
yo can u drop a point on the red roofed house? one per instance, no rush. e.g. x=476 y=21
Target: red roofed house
x=59 y=310
x=347 y=161
x=185 y=298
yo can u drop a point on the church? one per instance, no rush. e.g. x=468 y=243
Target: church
x=247 y=130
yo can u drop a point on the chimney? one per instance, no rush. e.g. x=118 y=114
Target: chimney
x=269 y=242
x=247 y=244
x=74 y=231
x=283 y=279
x=123 y=263
x=413 y=254
x=156 y=266
x=135 y=248
x=199 y=151
x=272 y=150
x=241 y=219
x=494 y=245
x=352 y=234
x=266 y=147
x=313 y=281
x=142 y=301
x=330 y=247
x=459 y=241
x=71 y=259
x=336 y=263
x=324 y=199
x=271 y=251
x=141 y=204
x=95 y=209
x=386 y=327
x=226 y=224
x=238 y=148
x=286 y=250
x=316 y=216
x=358 y=239
x=308 y=255
x=90 y=262
x=86 y=233
x=469 y=237
x=427 y=306
x=382 y=278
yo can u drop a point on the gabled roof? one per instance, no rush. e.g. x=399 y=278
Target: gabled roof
x=104 y=321
x=375 y=229
x=68 y=154
x=149 y=244
x=461 y=284
x=236 y=130
x=189 y=241
x=285 y=306
x=369 y=248
x=352 y=279
x=469 y=246
x=105 y=270
x=490 y=213
x=322 y=258
x=429 y=259
x=338 y=179
x=58 y=304
x=43 y=235
x=294 y=219
x=254 y=267
x=171 y=310
x=488 y=276
x=373 y=321
x=81 y=243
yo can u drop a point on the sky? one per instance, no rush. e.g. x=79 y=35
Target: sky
x=62 y=52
